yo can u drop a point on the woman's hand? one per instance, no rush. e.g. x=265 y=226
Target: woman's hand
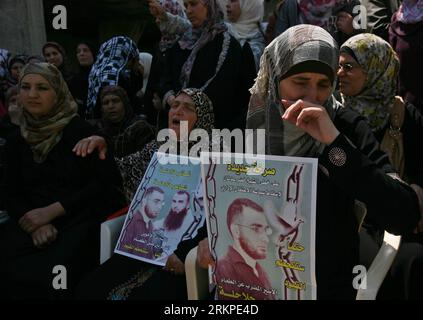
x=204 y=257
x=44 y=236
x=36 y=218
x=174 y=265
x=88 y=145
x=312 y=118
x=345 y=23
x=157 y=11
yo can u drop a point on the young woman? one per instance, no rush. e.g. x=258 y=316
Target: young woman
x=85 y=55
x=55 y=54
x=56 y=200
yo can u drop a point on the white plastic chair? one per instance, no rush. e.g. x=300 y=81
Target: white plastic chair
x=198 y=280
x=109 y=235
x=380 y=267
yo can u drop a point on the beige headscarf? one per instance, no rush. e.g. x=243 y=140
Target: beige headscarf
x=43 y=133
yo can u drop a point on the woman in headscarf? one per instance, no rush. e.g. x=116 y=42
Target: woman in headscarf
x=209 y=58
x=405 y=33
x=55 y=54
x=56 y=200
x=126 y=133
x=245 y=18
x=85 y=55
x=117 y=64
x=15 y=66
x=292 y=99
x=368 y=71
x=122 y=278
x=168 y=9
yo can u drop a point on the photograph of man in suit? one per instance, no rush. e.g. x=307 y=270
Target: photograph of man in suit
x=238 y=274
x=139 y=237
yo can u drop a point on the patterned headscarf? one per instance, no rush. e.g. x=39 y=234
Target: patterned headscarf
x=4 y=56
x=297 y=45
x=111 y=60
x=410 y=11
x=381 y=65
x=203 y=108
x=317 y=12
x=43 y=133
x=196 y=38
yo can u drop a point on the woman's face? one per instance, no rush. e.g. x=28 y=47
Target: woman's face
x=233 y=9
x=53 y=56
x=312 y=87
x=15 y=70
x=351 y=76
x=37 y=95
x=84 y=55
x=112 y=108
x=196 y=12
x=182 y=109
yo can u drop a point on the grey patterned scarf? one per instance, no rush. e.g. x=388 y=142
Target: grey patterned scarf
x=296 y=45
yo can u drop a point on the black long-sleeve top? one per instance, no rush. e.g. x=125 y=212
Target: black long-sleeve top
x=229 y=89
x=82 y=185
x=352 y=167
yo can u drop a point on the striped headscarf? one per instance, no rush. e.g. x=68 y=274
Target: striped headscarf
x=43 y=133
x=111 y=60
x=381 y=66
x=297 y=45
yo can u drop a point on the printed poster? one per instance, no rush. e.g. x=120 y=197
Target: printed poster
x=261 y=224
x=166 y=209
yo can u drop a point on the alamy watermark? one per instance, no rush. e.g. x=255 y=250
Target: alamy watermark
x=220 y=146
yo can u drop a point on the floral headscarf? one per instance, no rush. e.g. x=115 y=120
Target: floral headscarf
x=381 y=65
x=43 y=133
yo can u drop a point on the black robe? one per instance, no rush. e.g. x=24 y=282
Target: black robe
x=88 y=190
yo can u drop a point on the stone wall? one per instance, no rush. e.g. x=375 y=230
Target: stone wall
x=22 y=27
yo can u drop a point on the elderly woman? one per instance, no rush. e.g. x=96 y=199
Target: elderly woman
x=55 y=199
x=292 y=99
x=122 y=278
x=368 y=72
x=126 y=132
x=117 y=64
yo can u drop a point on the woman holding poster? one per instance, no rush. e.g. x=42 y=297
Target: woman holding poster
x=292 y=99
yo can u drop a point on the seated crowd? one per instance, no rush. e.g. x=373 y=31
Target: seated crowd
x=75 y=145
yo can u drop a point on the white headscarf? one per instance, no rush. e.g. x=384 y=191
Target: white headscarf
x=246 y=26
x=145 y=61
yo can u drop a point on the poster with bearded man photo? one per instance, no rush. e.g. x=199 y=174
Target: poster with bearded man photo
x=166 y=209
